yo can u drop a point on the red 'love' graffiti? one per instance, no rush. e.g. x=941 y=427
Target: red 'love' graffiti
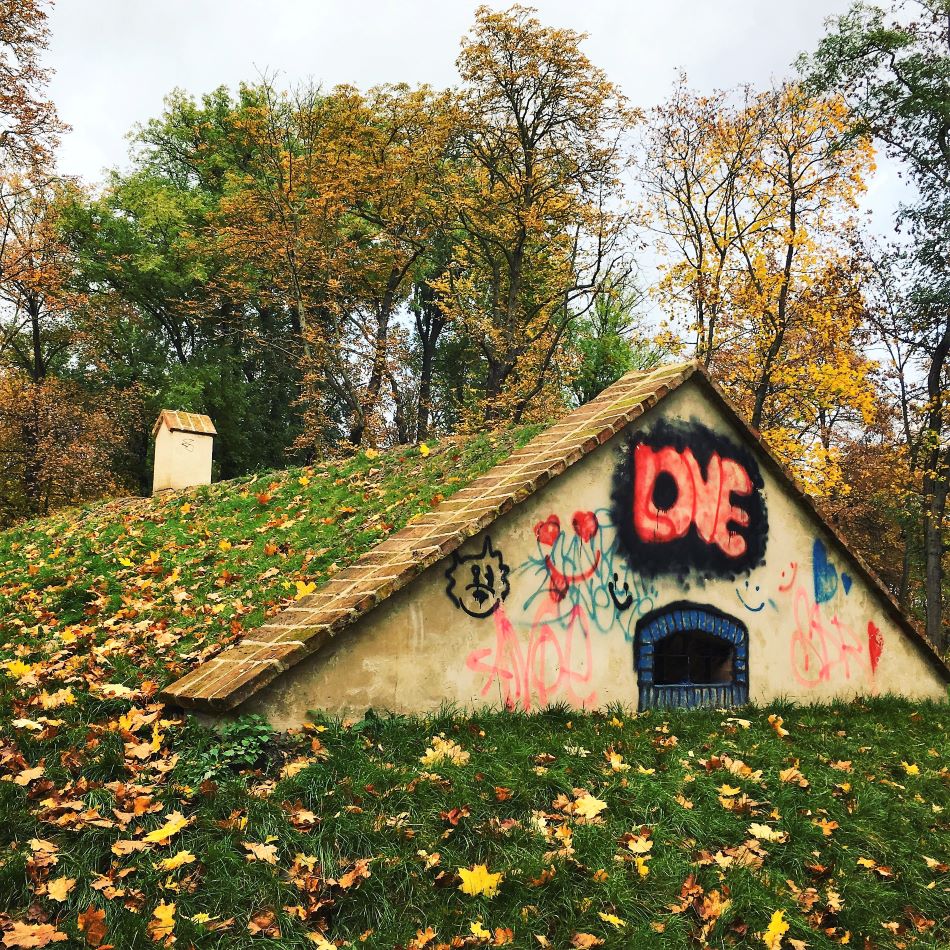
x=703 y=501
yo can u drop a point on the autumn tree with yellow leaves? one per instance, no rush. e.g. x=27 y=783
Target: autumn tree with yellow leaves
x=536 y=195
x=753 y=197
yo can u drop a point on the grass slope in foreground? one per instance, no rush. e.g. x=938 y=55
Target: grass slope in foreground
x=123 y=825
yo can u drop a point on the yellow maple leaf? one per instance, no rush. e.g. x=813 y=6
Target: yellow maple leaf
x=776 y=929
x=728 y=791
x=588 y=807
x=176 y=821
x=767 y=833
x=479 y=880
x=910 y=769
x=371 y=454
x=617 y=763
x=58 y=890
x=224 y=545
x=304 y=589
x=162 y=923
x=423 y=449
x=17 y=668
x=643 y=869
x=304 y=480
x=31 y=935
x=478 y=931
x=176 y=861
x=613 y=919
x=443 y=750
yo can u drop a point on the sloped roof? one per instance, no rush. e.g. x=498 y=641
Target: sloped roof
x=225 y=681
x=177 y=421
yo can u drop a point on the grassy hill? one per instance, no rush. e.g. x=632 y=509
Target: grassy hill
x=123 y=824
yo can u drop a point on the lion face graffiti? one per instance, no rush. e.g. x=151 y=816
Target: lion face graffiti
x=478 y=583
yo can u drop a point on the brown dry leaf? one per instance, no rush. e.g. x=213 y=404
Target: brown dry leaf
x=124 y=847
x=794 y=777
x=423 y=939
x=92 y=923
x=359 y=871
x=264 y=922
x=31 y=935
x=29 y=775
x=581 y=941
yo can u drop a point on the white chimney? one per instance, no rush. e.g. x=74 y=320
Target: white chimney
x=183 y=443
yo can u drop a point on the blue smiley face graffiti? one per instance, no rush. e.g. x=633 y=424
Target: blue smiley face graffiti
x=751 y=594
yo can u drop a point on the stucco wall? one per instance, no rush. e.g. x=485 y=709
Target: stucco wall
x=182 y=459
x=567 y=610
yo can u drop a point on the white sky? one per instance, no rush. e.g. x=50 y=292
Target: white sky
x=115 y=60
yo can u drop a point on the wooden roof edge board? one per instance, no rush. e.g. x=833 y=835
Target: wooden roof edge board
x=665 y=380
x=780 y=471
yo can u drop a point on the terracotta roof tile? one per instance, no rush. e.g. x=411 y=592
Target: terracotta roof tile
x=241 y=670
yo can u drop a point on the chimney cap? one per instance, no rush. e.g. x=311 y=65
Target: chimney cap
x=176 y=421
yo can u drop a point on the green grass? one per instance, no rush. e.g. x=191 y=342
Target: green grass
x=100 y=608
x=362 y=793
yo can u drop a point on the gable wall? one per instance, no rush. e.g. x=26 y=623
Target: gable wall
x=560 y=634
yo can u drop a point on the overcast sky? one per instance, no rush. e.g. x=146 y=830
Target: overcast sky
x=115 y=60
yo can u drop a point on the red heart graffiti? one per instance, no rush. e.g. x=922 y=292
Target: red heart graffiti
x=875 y=644
x=547 y=532
x=585 y=524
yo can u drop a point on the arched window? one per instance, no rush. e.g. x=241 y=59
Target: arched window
x=691 y=655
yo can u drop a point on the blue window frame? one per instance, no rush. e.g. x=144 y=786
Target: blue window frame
x=691 y=655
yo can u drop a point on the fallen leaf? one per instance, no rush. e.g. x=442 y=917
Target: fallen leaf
x=777 y=928
x=176 y=821
x=92 y=923
x=479 y=880
x=58 y=890
x=162 y=924
x=31 y=935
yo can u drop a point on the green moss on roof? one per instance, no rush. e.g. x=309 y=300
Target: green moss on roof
x=146 y=583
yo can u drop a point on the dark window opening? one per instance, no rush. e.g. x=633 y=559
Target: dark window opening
x=692 y=657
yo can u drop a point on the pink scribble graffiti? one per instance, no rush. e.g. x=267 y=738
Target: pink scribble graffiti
x=547 y=667
x=822 y=649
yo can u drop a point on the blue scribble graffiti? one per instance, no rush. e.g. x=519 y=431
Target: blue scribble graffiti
x=582 y=568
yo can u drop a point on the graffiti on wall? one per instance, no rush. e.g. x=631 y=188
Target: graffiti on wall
x=579 y=567
x=555 y=662
x=689 y=499
x=478 y=583
x=824 y=647
x=578 y=588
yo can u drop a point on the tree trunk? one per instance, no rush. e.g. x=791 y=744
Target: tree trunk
x=935 y=492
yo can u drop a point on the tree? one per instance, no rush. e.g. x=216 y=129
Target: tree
x=605 y=344
x=894 y=74
x=753 y=197
x=28 y=121
x=535 y=194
